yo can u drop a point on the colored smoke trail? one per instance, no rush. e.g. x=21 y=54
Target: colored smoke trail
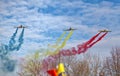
x=64 y=43
x=81 y=49
x=61 y=46
x=59 y=40
x=8 y=65
x=93 y=38
x=98 y=39
x=12 y=40
x=54 y=46
x=45 y=61
x=20 y=40
x=36 y=55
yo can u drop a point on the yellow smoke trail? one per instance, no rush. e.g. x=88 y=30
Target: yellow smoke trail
x=64 y=42
x=36 y=55
x=49 y=52
x=58 y=40
x=62 y=45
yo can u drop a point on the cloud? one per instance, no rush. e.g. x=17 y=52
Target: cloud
x=47 y=19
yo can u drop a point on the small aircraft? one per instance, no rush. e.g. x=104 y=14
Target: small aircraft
x=104 y=30
x=21 y=26
x=69 y=29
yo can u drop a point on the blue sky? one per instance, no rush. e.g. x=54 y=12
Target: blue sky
x=46 y=19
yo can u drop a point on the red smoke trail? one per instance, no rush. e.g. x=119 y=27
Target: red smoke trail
x=98 y=40
x=93 y=38
x=81 y=49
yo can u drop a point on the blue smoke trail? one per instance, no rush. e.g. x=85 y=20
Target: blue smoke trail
x=3 y=50
x=20 y=40
x=12 y=41
x=8 y=65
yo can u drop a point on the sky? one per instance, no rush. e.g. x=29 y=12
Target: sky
x=46 y=19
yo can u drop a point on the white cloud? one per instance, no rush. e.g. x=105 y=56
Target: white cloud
x=39 y=22
x=88 y=19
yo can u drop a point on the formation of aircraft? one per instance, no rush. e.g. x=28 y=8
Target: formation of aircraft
x=69 y=29
x=21 y=26
x=104 y=30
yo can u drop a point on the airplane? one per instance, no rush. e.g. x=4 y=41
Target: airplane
x=69 y=29
x=104 y=30
x=21 y=26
